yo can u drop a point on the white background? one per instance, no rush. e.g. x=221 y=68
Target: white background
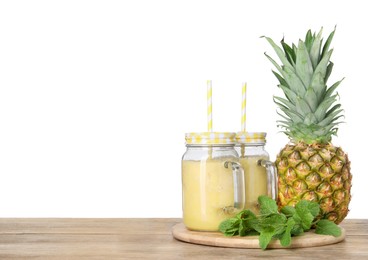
x=95 y=96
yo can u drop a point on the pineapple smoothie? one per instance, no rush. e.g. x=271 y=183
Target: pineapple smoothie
x=259 y=179
x=255 y=181
x=208 y=193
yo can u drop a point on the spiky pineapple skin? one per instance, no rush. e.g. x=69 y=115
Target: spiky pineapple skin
x=315 y=172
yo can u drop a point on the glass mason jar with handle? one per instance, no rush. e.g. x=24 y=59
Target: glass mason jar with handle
x=212 y=180
x=260 y=172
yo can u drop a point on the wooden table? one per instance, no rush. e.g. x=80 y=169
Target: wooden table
x=146 y=239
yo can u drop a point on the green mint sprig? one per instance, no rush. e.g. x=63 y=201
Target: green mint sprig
x=272 y=224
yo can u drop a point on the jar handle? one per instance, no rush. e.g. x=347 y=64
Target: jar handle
x=271 y=177
x=239 y=184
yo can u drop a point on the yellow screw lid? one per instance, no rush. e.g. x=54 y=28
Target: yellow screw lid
x=210 y=138
x=251 y=137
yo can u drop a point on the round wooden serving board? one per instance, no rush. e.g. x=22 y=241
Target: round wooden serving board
x=308 y=239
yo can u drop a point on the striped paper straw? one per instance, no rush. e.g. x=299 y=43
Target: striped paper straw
x=243 y=107
x=209 y=105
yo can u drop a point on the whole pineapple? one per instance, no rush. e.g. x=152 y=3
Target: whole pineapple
x=310 y=167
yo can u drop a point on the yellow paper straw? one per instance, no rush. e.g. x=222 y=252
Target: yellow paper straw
x=243 y=116
x=209 y=106
x=243 y=107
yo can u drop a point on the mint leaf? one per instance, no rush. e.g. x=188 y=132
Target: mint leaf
x=246 y=214
x=279 y=221
x=229 y=227
x=242 y=229
x=254 y=224
x=272 y=224
x=267 y=205
x=313 y=208
x=265 y=237
x=231 y=232
x=297 y=230
x=276 y=221
x=288 y=211
x=326 y=227
x=303 y=215
x=245 y=225
x=305 y=220
x=285 y=239
x=252 y=233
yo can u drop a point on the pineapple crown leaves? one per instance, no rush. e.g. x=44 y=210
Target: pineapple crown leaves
x=310 y=109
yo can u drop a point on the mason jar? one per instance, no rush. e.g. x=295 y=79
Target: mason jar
x=212 y=180
x=259 y=171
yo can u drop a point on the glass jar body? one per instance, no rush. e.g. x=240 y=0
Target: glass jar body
x=208 y=186
x=255 y=175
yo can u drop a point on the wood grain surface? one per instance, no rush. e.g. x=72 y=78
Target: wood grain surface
x=146 y=239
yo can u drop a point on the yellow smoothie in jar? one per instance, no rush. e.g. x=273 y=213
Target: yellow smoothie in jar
x=250 y=147
x=208 y=193
x=255 y=181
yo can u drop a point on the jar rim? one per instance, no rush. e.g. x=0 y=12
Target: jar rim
x=210 y=138
x=251 y=137
x=211 y=145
